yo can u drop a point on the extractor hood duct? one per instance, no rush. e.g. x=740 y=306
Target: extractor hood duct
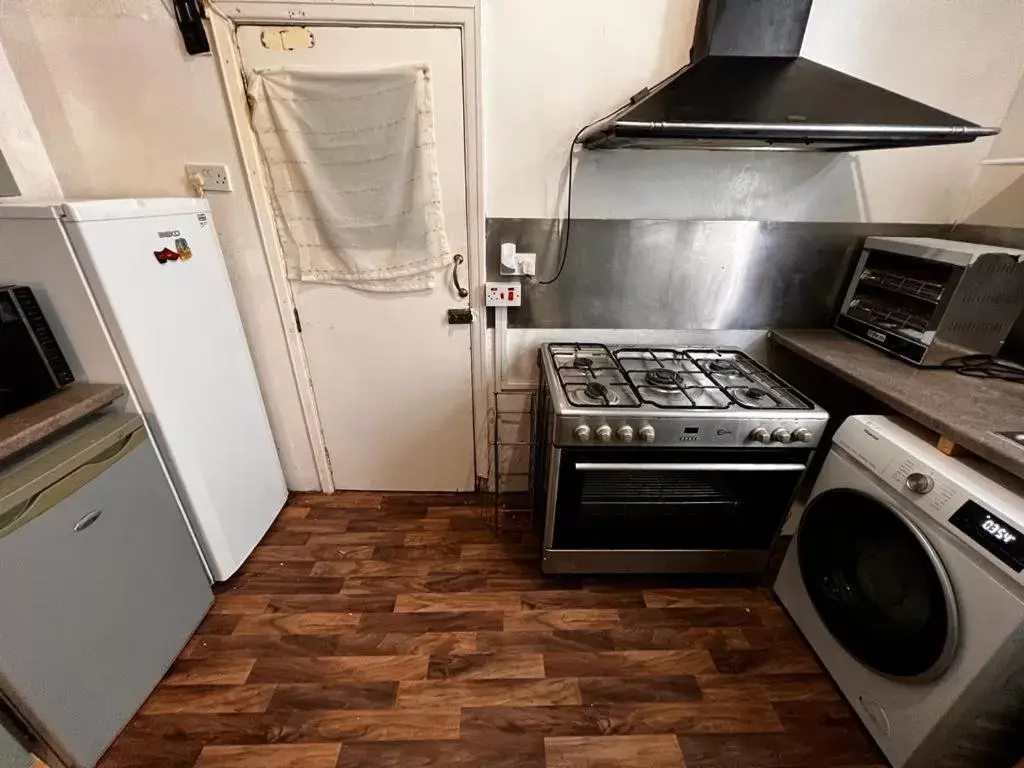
x=748 y=88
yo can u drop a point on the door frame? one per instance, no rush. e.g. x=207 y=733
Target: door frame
x=224 y=18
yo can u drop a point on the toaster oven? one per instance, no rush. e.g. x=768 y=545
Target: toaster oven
x=927 y=300
x=32 y=365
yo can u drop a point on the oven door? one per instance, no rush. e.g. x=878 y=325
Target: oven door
x=649 y=499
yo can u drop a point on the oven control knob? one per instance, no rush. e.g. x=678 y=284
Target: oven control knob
x=761 y=435
x=582 y=433
x=781 y=435
x=604 y=433
x=919 y=483
x=802 y=435
x=625 y=434
x=647 y=434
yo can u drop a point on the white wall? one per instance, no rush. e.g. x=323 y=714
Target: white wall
x=27 y=172
x=120 y=108
x=551 y=68
x=997 y=198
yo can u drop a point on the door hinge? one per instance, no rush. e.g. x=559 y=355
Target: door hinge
x=298 y=323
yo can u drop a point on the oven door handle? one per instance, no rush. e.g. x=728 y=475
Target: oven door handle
x=641 y=467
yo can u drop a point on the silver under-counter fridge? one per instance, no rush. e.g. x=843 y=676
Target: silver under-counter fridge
x=101 y=584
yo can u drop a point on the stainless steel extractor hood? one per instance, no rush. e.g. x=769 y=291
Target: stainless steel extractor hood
x=746 y=87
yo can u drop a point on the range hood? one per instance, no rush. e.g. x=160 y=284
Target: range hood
x=746 y=87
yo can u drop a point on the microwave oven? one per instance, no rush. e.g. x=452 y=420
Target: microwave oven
x=32 y=365
x=927 y=300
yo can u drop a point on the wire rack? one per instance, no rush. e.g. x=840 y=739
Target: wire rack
x=512 y=449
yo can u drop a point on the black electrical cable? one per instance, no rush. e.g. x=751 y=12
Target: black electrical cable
x=567 y=227
x=984 y=367
x=564 y=234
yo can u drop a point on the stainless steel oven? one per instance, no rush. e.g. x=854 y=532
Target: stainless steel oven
x=648 y=481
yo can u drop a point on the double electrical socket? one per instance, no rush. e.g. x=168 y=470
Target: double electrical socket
x=215 y=178
x=503 y=294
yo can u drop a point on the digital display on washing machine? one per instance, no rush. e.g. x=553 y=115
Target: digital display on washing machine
x=991 y=532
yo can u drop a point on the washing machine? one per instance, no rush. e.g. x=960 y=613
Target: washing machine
x=905 y=576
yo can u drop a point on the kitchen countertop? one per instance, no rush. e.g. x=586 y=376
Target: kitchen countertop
x=964 y=409
x=21 y=429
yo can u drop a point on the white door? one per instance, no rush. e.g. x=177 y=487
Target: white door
x=392 y=378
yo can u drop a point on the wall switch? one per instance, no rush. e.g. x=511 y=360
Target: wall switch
x=503 y=294
x=215 y=177
x=527 y=263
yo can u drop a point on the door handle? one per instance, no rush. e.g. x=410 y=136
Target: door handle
x=458 y=259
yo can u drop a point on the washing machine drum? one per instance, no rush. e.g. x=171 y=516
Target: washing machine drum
x=877 y=584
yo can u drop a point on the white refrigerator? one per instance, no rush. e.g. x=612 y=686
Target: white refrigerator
x=155 y=273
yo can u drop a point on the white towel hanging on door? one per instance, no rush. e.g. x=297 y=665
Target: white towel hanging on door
x=352 y=163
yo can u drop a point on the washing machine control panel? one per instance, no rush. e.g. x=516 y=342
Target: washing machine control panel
x=973 y=501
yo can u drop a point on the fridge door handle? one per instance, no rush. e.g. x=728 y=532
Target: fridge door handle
x=88 y=520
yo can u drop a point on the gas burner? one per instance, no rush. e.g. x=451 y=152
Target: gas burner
x=594 y=393
x=583 y=363
x=662 y=378
x=722 y=366
x=754 y=397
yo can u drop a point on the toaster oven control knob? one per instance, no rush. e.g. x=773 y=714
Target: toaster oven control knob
x=647 y=434
x=761 y=435
x=781 y=435
x=919 y=483
x=802 y=435
x=625 y=434
x=604 y=433
x=582 y=433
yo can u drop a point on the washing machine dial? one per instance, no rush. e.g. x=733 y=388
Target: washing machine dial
x=918 y=482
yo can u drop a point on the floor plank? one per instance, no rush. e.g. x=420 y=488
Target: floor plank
x=296 y=624
x=377 y=725
x=627 y=663
x=580 y=618
x=522 y=752
x=379 y=629
x=331 y=669
x=608 y=751
x=271 y=756
x=288 y=698
x=488 y=693
x=487 y=666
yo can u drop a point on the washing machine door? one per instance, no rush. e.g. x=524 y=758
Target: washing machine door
x=877 y=584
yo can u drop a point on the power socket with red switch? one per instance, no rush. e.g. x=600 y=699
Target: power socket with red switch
x=503 y=294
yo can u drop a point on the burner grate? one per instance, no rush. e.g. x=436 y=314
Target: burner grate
x=696 y=378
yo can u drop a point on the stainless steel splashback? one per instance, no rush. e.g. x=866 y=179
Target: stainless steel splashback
x=687 y=274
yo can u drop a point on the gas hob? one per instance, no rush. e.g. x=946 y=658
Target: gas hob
x=662 y=396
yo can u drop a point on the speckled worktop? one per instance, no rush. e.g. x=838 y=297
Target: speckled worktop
x=21 y=429
x=966 y=410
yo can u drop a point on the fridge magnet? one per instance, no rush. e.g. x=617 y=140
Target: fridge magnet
x=166 y=255
x=184 y=252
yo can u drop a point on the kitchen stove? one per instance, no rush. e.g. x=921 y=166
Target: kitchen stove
x=666 y=397
x=654 y=459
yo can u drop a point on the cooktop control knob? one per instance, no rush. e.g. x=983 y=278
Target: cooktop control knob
x=647 y=434
x=919 y=483
x=582 y=433
x=761 y=435
x=802 y=435
x=781 y=435
x=604 y=433
x=625 y=434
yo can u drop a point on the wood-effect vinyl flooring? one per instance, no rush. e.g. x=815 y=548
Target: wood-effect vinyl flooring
x=396 y=630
